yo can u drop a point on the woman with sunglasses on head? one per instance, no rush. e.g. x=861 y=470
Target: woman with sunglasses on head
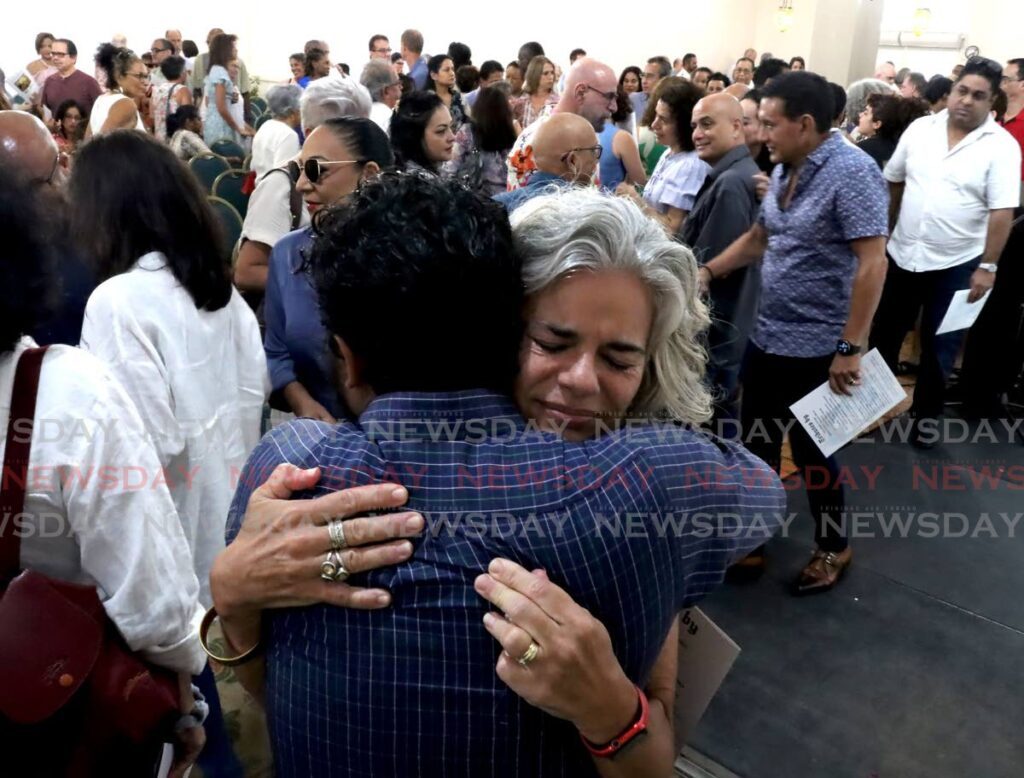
x=421 y=133
x=336 y=159
x=128 y=79
x=69 y=119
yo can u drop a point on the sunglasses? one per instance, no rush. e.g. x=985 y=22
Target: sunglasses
x=986 y=64
x=315 y=169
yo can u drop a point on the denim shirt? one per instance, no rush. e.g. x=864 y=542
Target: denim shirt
x=295 y=338
x=808 y=267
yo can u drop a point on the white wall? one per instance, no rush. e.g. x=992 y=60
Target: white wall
x=994 y=26
x=718 y=31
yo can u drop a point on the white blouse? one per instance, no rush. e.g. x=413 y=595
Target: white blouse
x=95 y=510
x=198 y=379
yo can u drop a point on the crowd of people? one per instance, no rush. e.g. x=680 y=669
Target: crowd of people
x=527 y=258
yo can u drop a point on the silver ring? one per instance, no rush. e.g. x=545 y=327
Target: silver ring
x=332 y=568
x=529 y=654
x=336 y=530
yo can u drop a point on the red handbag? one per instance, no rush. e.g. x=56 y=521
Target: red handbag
x=74 y=700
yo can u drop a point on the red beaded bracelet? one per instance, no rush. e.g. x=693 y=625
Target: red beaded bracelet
x=631 y=733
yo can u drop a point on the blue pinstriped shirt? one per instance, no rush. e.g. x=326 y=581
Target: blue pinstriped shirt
x=635 y=525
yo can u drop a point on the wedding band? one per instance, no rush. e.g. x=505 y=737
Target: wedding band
x=332 y=568
x=336 y=530
x=529 y=654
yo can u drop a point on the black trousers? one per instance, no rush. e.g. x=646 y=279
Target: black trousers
x=994 y=354
x=771 y=383
x=905 y=294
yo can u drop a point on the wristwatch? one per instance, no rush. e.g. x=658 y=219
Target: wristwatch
x=990 y=267
x=846 y=349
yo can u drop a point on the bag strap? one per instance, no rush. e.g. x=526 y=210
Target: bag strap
x=16 y=455
x=294 y=197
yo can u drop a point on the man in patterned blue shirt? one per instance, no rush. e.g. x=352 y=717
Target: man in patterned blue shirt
x=821 y=241
x=634 y=525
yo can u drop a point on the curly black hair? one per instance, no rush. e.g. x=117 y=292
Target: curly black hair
x=26 y=270
x=418 y=276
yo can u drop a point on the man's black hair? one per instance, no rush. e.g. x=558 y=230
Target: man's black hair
x=988 y=69
x=439 y=259
x=769 y=69
x=802 y=92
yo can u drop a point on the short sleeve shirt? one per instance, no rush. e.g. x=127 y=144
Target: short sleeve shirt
x=676 y=180
x=809 y=266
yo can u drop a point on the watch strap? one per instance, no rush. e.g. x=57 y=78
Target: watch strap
x=637 y=728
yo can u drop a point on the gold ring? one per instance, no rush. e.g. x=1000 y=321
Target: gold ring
x=529 y=654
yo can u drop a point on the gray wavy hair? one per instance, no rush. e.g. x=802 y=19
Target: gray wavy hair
x=333 y=97
x=582 y=229
x=283 y=100
x=858 y=92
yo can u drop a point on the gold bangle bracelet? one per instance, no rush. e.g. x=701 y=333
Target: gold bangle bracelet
x=232 y=661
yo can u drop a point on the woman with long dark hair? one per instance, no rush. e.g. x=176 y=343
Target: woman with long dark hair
x=482 y=145
x=70 y=120
x=630 y=80
x=219 y=92
x=126 y=542
x=169 y=324
x=441 y=81
x=421 y=133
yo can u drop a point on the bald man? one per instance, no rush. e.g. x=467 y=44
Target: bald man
x=27 y=150
x=565 y=151
x=725 y=209
x=737 y=90
x=589 y=92
x=174 y=36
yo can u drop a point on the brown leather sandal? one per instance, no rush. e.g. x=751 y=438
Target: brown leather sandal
x=822 y=572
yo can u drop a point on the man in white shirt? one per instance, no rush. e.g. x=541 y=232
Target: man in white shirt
x=384 y=87
x=689 y=65
x=954 y=182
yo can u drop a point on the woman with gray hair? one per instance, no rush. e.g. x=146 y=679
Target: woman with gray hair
x=613 y=321
x=277 y=140
x=857 y=95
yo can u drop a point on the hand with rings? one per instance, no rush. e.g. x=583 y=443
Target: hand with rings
x=279 y=558
x=555 y=655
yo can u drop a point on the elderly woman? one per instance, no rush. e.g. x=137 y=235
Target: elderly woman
x=857 y=99
x=612 y=318
x=128 y=80
x=385 y=88
x=277 y=141
x=126 y=542
x=538 y=91
x=882 y=122
x=275 y=207
x=422 y=134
